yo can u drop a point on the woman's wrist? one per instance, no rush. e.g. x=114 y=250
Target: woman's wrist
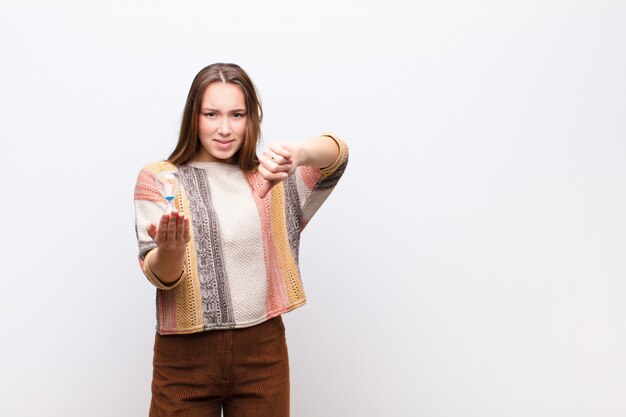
x=301 y=155
x=167 y=264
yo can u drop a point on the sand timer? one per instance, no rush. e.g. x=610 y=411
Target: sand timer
x=168 y=182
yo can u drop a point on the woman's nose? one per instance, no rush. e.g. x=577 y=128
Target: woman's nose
x=224 y=128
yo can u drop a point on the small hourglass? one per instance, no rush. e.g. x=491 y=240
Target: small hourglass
x=168 y=182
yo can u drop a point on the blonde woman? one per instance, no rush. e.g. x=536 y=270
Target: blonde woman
x=225 y=261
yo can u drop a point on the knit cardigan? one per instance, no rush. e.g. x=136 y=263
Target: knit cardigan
x=241 y=265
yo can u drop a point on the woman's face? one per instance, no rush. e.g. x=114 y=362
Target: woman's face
x=222 y=122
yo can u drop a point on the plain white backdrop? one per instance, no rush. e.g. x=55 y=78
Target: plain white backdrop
x=471 y=262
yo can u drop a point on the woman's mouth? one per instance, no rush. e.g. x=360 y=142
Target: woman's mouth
x=224 y=144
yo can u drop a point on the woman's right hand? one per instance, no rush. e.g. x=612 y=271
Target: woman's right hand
x=172 y=233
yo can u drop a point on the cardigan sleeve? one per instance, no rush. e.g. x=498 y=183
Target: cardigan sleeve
x=315 y=185
x=149 y=207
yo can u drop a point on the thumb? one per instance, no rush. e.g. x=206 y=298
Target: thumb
x=265 y=188
x=152 y=230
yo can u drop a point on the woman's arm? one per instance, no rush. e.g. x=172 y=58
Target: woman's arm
x=279 y=160
x=318 y=152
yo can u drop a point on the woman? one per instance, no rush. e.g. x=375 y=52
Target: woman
x=225 y=261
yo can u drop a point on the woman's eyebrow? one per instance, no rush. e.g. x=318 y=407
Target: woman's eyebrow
x=216 y=110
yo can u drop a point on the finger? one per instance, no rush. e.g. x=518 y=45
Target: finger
x=171 y=225
x=279 y=160
x=180 y=227
x=277 y=153
x=186 y=232
x=265 y=188
x=270 y=175
x=274 y=160
x=152 y=230
x=280 y=150
x=275 y=167
x=162 y=229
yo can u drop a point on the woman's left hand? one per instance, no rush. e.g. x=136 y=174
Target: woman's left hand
x=277 y=162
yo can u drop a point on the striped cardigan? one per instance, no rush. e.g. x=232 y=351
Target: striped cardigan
x=241 y=265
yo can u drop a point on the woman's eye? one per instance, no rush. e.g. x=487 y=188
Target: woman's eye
x=209 y=114
x=238 y=115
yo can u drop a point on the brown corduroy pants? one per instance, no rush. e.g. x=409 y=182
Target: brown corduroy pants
x=245 y=371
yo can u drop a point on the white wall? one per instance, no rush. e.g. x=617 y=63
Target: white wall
x=470 y=263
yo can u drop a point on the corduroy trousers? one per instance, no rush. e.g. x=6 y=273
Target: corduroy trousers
x=245 y=372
